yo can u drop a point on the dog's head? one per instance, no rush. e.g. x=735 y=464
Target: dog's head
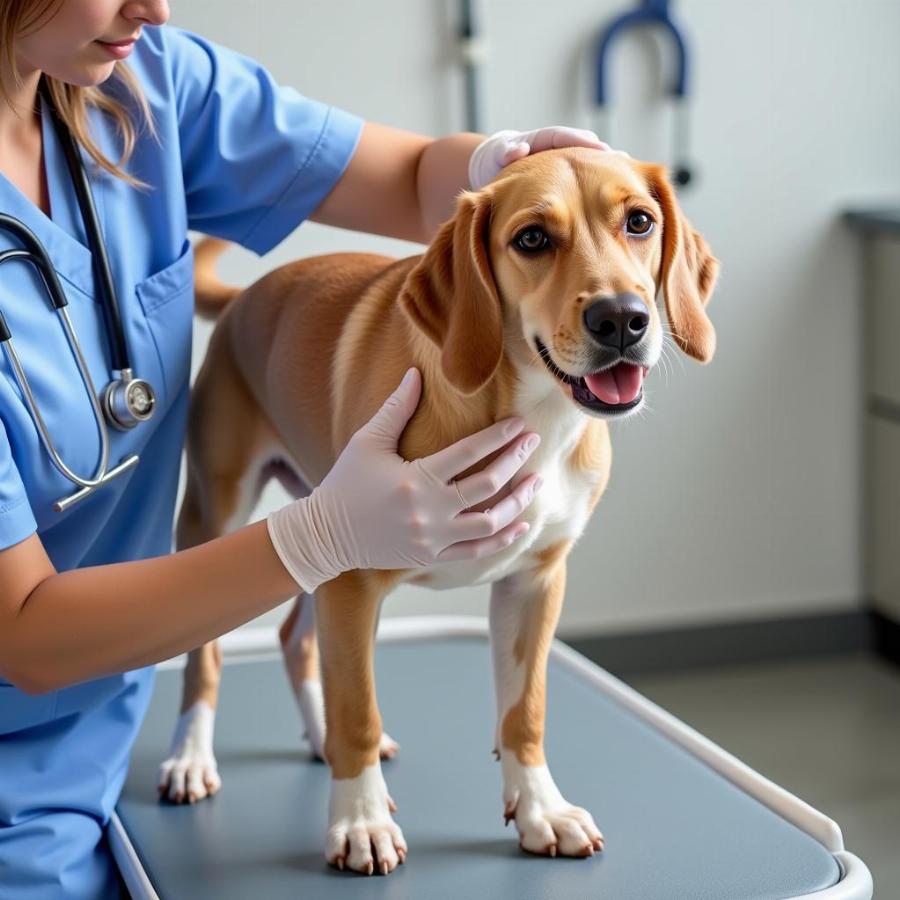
x=559 y=260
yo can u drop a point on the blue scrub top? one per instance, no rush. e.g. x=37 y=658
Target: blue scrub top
x=238 y=157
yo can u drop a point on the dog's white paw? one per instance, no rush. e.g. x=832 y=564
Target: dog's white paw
x=362 y=836
x=312 y=709
x=388 y=747
x=546 y=822
x=190 y=773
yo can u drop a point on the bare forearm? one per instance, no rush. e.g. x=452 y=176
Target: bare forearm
x=442 y=173
x=399 y=183
x=95 y=621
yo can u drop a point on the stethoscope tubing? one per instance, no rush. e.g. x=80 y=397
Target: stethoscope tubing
x=117 y=394
x=102 y=272
x=103 y=474
x=35 y=254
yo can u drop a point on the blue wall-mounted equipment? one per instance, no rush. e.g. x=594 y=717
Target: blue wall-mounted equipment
x=650 y=13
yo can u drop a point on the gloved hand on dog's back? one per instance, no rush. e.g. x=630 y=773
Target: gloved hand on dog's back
x=376 y=510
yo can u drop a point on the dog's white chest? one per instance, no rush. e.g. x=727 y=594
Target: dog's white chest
x=558 y=512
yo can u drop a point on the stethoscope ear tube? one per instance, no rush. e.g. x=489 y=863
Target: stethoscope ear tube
x=33 y=251
x=102 y=273
x=127 y=400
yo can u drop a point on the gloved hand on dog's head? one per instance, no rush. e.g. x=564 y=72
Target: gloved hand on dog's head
x=505 y=147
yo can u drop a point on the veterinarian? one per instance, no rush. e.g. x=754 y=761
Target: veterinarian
x=189 y=136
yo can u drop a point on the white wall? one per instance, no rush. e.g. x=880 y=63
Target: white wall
x=737 y=496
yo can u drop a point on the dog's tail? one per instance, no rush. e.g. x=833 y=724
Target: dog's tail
x=211 y=295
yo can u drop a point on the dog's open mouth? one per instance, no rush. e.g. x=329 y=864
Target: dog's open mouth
x=617 y=389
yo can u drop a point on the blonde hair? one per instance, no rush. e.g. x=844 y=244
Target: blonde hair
x=72 y=101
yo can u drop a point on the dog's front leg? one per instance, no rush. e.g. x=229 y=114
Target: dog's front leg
x=361 y=833
x=524 y=611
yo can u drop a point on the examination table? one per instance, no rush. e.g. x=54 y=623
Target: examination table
x=682 y=819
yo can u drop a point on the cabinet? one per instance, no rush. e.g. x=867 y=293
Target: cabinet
x=881 y=308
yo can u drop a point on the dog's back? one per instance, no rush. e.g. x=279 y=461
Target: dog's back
x=282 y=333
x=321 y=343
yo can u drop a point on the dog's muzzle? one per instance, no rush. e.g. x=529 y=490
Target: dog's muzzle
x=614 y=390
x=616 y=325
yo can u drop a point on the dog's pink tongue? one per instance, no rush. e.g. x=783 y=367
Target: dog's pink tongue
x=620 y=384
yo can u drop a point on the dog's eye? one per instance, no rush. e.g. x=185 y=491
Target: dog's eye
x=532 y=239
x=639 y=223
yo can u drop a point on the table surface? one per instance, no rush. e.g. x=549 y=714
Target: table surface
x=673 y=827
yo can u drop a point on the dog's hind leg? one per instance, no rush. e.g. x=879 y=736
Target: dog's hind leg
x=301 y=659
x=223 y=486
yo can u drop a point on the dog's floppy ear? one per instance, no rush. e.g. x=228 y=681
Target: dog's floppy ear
x=451 y=296
x=688 y=272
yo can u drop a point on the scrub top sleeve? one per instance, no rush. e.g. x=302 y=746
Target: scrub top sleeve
x=257 y=158
x=17 y=520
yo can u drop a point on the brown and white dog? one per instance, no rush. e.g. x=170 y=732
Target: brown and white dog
x=536 y=299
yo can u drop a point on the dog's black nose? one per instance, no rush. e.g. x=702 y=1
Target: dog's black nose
x=618 y=321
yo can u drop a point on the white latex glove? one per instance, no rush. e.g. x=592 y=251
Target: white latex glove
x=376 y=510
x=504 y=147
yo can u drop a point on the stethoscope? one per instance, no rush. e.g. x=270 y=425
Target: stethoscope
x=651 y=12
x=126 y=400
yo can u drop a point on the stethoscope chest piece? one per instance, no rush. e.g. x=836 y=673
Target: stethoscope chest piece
x=128 y=400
